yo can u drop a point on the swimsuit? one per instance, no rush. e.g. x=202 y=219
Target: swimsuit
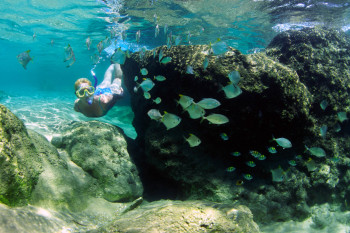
x=104 y=91
x=101 y=91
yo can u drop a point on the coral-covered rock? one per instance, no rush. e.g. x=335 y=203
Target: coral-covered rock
x=187 y=216
x=100 y=150
x=282 y=89
x=20 y=163
x=272 y=100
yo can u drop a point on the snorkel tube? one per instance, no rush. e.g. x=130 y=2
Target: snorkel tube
x=93 y=75
x=90 y=99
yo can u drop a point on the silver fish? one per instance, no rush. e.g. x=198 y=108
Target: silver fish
x=156 y=31
x=193 y=140
x=88 y=43
x=154 y=114
x=146 y=85
x=24 y=58
x=69 y=55
x=185 y=101
x=234 y=77
x=209 y=103
x=100 y=47
x=95 y=59
x=170 y=120
x=216 y=119
x=232 y=91
x=195 y=111
x=205 y=63
x=138 y=35
x=118 y=56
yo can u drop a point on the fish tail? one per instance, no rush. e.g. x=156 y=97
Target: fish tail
x=203 y=118
x=273 y=138
x=184 y=138
x=138 y=85
x=306 y=148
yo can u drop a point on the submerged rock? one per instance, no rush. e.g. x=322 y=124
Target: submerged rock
x=187 y=216
x=20 y=163
x=272 y=99
x=65 y=187
x=101 y=151
x=34 y=172
x=282 y=89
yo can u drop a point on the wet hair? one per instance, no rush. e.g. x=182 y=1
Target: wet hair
x=81 y=81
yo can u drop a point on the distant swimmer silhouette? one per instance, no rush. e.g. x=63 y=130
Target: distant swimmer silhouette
x=96 y=101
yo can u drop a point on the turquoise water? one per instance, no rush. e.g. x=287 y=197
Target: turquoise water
x=46 y=27
x=43 y=94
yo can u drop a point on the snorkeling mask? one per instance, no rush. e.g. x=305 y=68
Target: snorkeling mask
x=81 y=92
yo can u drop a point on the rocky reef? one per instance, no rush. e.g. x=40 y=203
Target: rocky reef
x=187 y=216
x=101 y=151
x=91 y=178
x=86 y=181
x=282 y=89
x=20 y=163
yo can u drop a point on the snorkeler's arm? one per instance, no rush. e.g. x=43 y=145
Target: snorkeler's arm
x=118 y=73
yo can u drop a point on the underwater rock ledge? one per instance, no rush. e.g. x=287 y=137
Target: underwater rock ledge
x=68 y=196
x=20 y=163
x=186 y=216
x=100 y=150
x=276 y=99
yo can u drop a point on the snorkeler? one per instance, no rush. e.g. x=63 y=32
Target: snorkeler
x=97 y=101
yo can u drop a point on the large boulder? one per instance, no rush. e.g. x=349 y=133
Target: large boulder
x=64 y=186
x=321 y=58
x=187 y=216
x=278 y=98
x=61 y=184
x=100 y=150
x=273 y=99
x=20 y=163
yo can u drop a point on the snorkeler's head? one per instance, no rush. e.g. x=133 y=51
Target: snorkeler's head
x=80 y=81
x=83 y=88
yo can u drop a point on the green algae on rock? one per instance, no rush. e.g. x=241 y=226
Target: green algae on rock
x=20 y=164
x=282 y=89
x=100 y=150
